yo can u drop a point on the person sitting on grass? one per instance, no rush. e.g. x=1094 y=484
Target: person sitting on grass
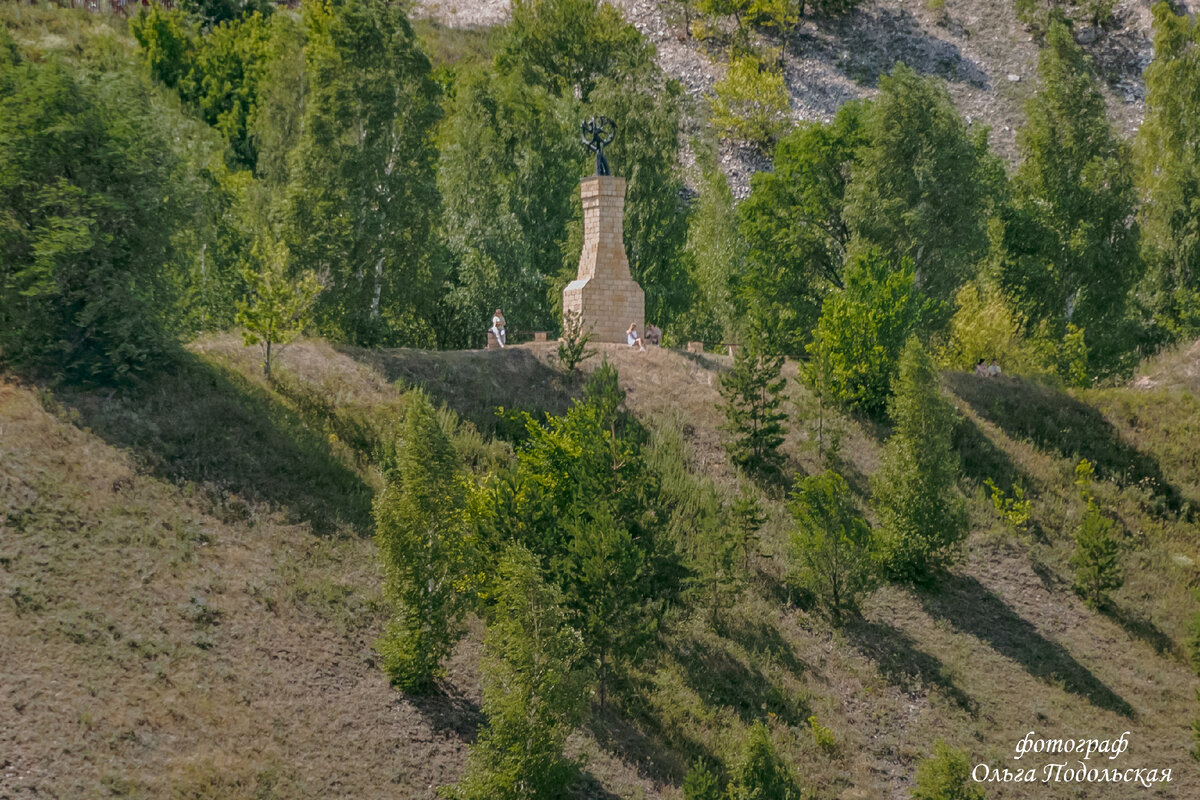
x=632 y=339
x=994 y=368
x=497 y=328
x=653 y=334
x=981 y=369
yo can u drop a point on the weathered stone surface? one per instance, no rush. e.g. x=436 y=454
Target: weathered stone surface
x=603 y=292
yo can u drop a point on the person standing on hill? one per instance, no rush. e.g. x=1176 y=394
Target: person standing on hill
x=497 y=328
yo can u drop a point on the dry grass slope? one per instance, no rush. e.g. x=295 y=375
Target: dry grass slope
x=188 y=596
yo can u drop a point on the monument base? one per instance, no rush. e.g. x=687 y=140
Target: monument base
x=606 y=307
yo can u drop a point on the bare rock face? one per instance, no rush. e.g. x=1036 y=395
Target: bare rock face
x=604 y=294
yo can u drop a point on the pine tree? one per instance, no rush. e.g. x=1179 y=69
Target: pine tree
x=1168 y=149
x=604 y=573
x=753 y=393
x=1097 y=557
x=278 y=307
x=748 y=519
x=832 y=543
x=1069 y=252
x=922 y=515
x=533 y=690
x=761 y=774
x=421 y=534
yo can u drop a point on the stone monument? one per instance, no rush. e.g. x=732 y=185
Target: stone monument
x=603 y=293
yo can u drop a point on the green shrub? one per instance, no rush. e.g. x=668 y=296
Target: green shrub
x=573 y=347
x=945 y=776
x=822 y=736
x=862 y=330
x=1015 y=511
x=753 y=394
x=702 y=782
x=751 y=103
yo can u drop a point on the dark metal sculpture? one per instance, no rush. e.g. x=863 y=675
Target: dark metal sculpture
x=598 y=132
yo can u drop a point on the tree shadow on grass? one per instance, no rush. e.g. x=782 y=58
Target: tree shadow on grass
x=474 y=383
x=1140 y=627
x=1055 y=421
x=972 y=608
x=758 y=636
x=982 y=460
x=636 y=736
x=588 y=787
x=450 y=710
x=721 y=679
x=198 y=424
x=903 y=664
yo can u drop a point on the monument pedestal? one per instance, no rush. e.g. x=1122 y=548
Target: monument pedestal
x=604 y=293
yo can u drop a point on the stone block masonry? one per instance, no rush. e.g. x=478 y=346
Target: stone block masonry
x=603 y=292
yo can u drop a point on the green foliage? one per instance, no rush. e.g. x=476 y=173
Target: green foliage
x=760 y=773
x=508 y=168
x=213 y=12
x=166 y=42
x=1068 y=251
x=92 y=196
x=715 y=257
x=922 y=515
x=278 y=307
x=1168 y=149
x=533 y=689
x=362 y=200
x=857 y=343
x=1073 y=357
x=832 y=544
x=421 y=533
x=822 y=736
x=702 y=782
x=753 y=394
x=1191 y=644
x=583 y=500
x=1085 y=473
x=748 y=519
x=792 y=224
x=985 y=326
x=567 y=46
x=1097 y=557
x=1015 y=511
x=603 y=391
x=573 y=343
x=218 y=72
x=751 y=104
x=923 y=185
x=1040 y=15
x=945 y=776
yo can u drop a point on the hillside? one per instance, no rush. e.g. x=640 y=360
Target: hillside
x=190 y=593
x=986 y=55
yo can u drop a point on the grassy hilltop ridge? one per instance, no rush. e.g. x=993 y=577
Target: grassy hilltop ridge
x=190 y=594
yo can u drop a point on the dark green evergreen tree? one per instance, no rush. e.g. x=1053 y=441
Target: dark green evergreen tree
x=421 y=532
x=760 y=773
x=534 y=689
x=915 y=493
x=754 y=421
x=1097 y=556
x=832 y=544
